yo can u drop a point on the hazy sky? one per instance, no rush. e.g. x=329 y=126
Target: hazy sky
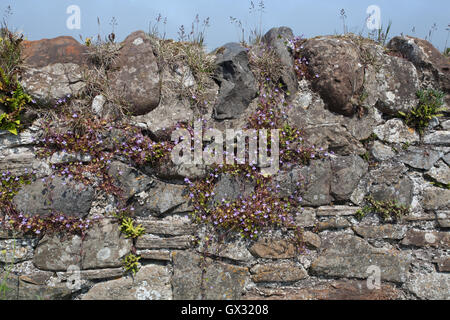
x=47 y=18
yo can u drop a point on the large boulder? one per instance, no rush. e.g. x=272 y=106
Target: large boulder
x=137 y=79
x=238 y=86
x=53 y=68
x=432 y=65
x=340 y=74
x=349 y=72
x=276 y=39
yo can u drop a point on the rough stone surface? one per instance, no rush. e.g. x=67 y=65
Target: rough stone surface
x=350 y=256
x=387 y=231
x=432 y=286
x=137 y=81
x=440 y=138
x=341 y=76
x=103 y=247
x=316 y=185
x=440 y=172
x=54 y=68
x=221 y=281
x=381 y=152
x=395 y=131
x=130 y=180
x=335 y=290
x=433 y=66
x=276 y=39
x=427 y=239
x=273 y=249
x=420 y=158
x=436 y=198
x=162 y=198
x=278 y=272
x=347 y=171
x=151 y=282
x=154 y=242
x=59 y=194
x=238 y=86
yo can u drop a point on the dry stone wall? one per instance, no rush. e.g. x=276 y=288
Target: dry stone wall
x=347 y=107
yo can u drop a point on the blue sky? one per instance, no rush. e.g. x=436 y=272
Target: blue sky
x=47 y=18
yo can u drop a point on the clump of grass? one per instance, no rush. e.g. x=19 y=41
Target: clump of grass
x=188 y=51
x=13 y=99
x=429 y=107
x=388 y=210
x=255 y=34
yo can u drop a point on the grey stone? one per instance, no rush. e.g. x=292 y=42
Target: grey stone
x=306 y=218
x=59 y=194
x=440 y=172
x=28 y=291
x=129 y=179
x=440 y=138
x=57 y=253
x=381 y=152
x=419 y=238
x=315 y=189
x=162 y=198
x=395 y=131
x=163 y=255
x=336 y=211
x=151 y=282
x=187 y=276
x=154 y=242
x=220 y=282
x=167 y=228
x=436 y=198
x=420 y=158
x=231 y=188
x=104 y=246
x=446 y=158
x=445 y=125
x=431 y=286
x=16 y=250
x=278 y=272
x=387 y=231
x=137 y=79
x=350 y=256
x=238 y=86
x=235 y=250
x=53 y=82
x=276 y=39
x=347 y=171
x=97 y=104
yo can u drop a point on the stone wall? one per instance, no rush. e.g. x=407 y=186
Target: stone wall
x=369 y=150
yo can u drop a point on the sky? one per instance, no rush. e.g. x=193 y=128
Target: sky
x=39 y=19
